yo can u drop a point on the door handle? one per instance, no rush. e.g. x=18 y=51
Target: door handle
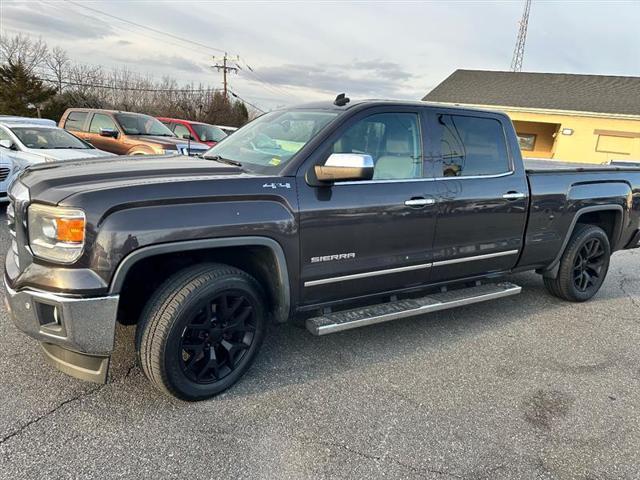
x=513 y=196
x=419 y=202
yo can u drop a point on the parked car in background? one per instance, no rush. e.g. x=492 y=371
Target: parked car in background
x=28 y=142
x=227 y=130
x=39 y=121
x=198 y=131
x=126 y=133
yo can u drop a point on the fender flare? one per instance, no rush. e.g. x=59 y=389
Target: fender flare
x=552 y=269
x=284 y=300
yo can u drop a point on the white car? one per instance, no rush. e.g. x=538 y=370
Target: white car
x=26 y=142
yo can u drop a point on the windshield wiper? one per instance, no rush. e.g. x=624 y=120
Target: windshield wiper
x=218 y=158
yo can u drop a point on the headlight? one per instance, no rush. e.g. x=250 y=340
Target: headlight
x=56 y=233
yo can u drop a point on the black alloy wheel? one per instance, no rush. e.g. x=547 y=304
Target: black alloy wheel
x=583 y=265
x=201 y=330
x=217 y=337
x=588 y=264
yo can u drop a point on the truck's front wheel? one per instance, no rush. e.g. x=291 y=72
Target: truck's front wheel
x=583 y=266
x=201 y=330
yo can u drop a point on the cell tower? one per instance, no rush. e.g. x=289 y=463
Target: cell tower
x=518 y=52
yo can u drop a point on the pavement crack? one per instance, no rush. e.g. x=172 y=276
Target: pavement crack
x=47 y=414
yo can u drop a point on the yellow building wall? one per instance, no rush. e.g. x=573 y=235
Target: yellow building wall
x=620 y=140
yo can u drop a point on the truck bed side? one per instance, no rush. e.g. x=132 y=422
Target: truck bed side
x=563 y=196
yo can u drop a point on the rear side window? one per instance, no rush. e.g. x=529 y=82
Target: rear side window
x=101 y=121
x=75 y=121
x=472 y=146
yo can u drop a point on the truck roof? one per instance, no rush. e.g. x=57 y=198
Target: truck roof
x=380 y=102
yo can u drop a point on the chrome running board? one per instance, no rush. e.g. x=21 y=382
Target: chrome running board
x=384 y=312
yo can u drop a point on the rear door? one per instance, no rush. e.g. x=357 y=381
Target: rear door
x=483 y=196
x=365 y=237
x=76 y=123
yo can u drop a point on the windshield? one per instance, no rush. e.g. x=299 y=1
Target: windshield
x=271 y=140
x=139 y=124
x=38 y=137
x=208 y=133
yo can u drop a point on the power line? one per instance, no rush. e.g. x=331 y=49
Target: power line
x=130 y=89
x=100 y=12
x=225 y=69
x=245 y=101
x=273 y=88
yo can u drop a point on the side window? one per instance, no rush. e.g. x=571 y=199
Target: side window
x=392 y=140
x=4 y=135
x=472 y=146
x=100 y=121
x=75 y=121
x=181 y=130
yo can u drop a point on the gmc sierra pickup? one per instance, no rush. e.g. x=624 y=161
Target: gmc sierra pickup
x=343 y=214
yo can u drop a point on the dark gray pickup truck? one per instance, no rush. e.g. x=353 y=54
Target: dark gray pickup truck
x=343 y=214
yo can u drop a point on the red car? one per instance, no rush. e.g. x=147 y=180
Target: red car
x=197 y=131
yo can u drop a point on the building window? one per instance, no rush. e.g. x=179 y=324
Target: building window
x=527 y=141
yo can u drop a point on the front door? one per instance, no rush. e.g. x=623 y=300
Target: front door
x=101 y=121
x=365 y=237
x=483 y=197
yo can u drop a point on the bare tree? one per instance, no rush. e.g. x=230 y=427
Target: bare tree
x=21 y=49
x=59 y=65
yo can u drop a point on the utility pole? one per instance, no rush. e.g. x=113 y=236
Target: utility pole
x=225 y=69
x=518 y=52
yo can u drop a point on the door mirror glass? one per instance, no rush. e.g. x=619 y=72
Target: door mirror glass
x=187 y=136
x=341 y=167
x=7 y=144
x=108 y=132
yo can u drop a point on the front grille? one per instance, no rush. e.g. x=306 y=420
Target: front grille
x=4 y=173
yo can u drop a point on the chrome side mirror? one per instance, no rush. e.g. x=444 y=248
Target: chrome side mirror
x=108 y=132
x=341 y=167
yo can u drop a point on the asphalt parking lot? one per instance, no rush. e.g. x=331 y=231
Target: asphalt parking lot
x=527 y=387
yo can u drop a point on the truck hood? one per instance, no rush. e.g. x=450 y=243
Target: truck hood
x=52 y=182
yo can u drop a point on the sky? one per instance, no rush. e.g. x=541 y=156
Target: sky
x=308 y=51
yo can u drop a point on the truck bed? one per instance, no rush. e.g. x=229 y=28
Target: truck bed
x=535 y=165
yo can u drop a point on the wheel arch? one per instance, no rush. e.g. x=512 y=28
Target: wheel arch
x=262 y=257
x=608 y=217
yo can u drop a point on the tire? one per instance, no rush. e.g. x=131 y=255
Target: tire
x=583 y=265
x=201 y=330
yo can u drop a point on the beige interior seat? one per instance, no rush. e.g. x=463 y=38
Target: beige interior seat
x=397 y=161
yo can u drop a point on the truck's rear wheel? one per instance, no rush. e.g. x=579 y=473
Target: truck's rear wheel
x=583 y=266
x=201 y=330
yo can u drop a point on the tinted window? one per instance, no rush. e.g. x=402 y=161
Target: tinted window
x=100 y=121
x=181 y=130
x=392 y=140
x=75 y=121
x=472 y=146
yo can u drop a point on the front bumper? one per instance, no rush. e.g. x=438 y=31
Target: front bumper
x=77 y=334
